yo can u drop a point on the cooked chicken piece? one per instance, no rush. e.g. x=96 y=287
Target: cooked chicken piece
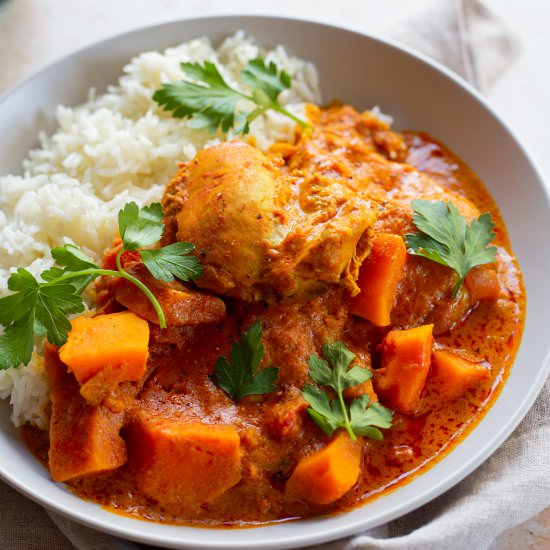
x=300 y=217
x=261 y=233
x=346 y=139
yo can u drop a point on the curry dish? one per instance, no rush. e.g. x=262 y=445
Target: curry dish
x=306 y=242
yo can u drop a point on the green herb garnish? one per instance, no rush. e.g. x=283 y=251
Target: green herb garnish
x=360 y=417
x=240 y=378
x=42 y=307
x=211 y=103
x=144 y=227
x=447 y=238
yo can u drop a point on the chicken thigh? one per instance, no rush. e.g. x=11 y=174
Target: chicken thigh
x=261 y=233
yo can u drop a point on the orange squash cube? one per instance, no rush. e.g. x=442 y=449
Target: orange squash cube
x=378 y=278
x=187 y=463
x=482 y=283
x=328 y=474
x=406 y=359
x=118 y=340
x=84 y=440
x=452 y=374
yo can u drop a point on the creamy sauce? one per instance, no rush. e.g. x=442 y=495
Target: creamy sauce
x=274 y=430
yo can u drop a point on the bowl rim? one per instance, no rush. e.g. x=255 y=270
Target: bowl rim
x=321 y=534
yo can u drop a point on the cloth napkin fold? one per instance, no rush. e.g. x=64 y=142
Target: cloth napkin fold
x=510 y=487
x=463 y=35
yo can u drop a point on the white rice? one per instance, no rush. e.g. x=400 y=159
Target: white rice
x=116 y=147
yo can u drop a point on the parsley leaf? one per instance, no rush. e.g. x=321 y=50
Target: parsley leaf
x=366 y=417
x=447 y=238
x=43 y=307
x=17 y=316
x=338 y=377
x=265 y=80
x=72 y=259
x=34 y=309
x=211 y=103
x=15 y=306
x=240 y=378
x=52 y=305
x=17 y=341
x=360 y=417
x=140 y=227
x=326 y=414
x=171 y=261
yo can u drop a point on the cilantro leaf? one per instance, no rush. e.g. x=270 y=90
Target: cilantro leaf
x=265 y=82
x=326 y=414
x=17 y=317
x=447 y=238
x=338 y=377
x=211 y=103
x=17 y=342
x=358 y=417
x=72 y=259
x=365 y=420
x=240 y=378
x=43 y=307
x=172 y=261
x=140 y=226
x=22 y=280
x=34 y=308
x=52 y=306
x=17 y=305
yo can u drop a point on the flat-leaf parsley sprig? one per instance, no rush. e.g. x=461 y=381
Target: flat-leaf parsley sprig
x=143 y=227
x=240 y=378
x=41 y=307
x=211 y=103
x=360 y=417
x=447 y=238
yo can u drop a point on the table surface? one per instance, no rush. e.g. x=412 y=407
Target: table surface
x=35 y=32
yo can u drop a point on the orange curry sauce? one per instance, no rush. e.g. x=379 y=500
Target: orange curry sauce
x=275 y=431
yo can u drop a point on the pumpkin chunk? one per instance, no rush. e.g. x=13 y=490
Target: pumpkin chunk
x=453 y=373
x=187 y=463
x=118 y=340
x=327 y=474
x=482 y=283
x=84 y=440
x=406 y=358
x=378 y=278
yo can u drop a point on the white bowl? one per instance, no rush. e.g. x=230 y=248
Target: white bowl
x=363 y=71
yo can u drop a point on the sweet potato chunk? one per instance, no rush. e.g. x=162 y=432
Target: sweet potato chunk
x=107 y=387
x=406 y=357
x=84 y=440
x=327 y=474
x=118 y=340
x=482 y=283
x=453 y=373
x=186 y=463
x=378 y=278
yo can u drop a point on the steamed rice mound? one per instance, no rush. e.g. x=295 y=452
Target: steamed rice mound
x=116 y=147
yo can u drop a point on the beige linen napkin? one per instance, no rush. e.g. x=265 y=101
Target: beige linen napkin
x=513 y=485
